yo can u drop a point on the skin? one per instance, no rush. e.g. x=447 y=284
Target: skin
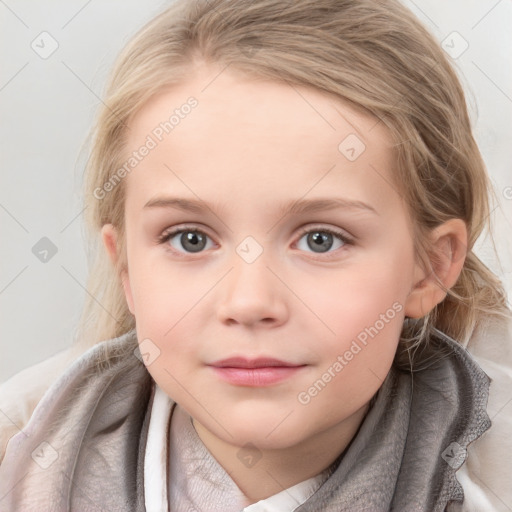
x=249 y=148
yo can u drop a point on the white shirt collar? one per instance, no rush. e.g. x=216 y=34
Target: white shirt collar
x=156 y=468
x=156 y=456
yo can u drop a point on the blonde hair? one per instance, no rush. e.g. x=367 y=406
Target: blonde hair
x=373 y=54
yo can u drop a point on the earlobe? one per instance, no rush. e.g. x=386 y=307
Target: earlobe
x=110 y=239
x=448 y=253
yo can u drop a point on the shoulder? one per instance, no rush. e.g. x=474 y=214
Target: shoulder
x=487 y=472
x=20 y=394
x=93 y=413
x=42 y=384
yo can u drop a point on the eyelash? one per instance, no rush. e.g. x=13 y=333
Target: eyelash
x=168 y=235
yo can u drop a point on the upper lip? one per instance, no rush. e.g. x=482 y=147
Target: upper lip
x=243 y=362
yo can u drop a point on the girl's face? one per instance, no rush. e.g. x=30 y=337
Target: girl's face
x=263 y=227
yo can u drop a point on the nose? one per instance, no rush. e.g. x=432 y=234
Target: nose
x=252 y=296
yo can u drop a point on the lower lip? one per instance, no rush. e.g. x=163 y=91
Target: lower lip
x=256 y=377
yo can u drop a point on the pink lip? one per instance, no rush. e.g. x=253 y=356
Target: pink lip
x=258 y=372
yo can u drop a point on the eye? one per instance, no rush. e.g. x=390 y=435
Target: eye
x=191 y=240
x=322 y=240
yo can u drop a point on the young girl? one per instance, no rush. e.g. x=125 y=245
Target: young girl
x=288 y=194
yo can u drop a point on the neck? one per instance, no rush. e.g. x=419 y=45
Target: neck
x=279 y=469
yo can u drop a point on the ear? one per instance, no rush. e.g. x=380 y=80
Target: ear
x=109 y=236
x=449 y=248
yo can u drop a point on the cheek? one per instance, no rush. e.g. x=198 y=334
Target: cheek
x=163 y=294
x=352 y=371
x=166 y=307
x=366 y=296
x=364 y=312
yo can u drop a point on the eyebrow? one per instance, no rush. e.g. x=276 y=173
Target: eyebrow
x=299 y=206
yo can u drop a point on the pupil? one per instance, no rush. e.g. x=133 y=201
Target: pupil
x=319 y=240
x=193 y=242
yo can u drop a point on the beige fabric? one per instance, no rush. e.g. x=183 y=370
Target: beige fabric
x=485 y=477
x=20 y=394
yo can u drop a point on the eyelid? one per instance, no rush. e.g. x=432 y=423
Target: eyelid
x=174 y=230
x=171 y=232
x=343 y=235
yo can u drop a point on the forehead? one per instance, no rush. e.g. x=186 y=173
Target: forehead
x=256 y=139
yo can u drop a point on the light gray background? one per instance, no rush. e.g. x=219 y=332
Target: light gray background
x=47 y=106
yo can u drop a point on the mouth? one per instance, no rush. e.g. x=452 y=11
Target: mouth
x=257 y=372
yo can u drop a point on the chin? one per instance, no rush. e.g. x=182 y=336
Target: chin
x=263 y=432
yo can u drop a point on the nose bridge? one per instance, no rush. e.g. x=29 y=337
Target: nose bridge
x=250 y=275
x=250 y=279
x=251 y=292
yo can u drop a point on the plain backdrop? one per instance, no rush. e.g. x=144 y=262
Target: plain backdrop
x=48 y=102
